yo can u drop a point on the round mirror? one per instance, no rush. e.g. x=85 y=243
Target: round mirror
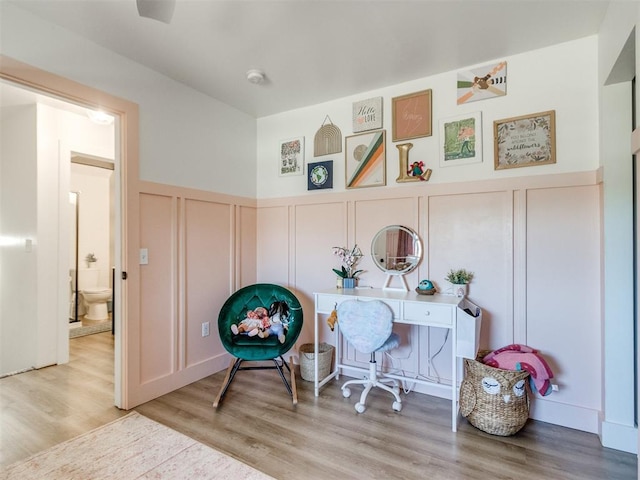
x=396 y=250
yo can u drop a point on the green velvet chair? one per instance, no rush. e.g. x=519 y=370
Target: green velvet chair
x=255 y=344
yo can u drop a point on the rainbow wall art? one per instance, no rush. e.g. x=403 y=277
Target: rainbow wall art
x=365 y=160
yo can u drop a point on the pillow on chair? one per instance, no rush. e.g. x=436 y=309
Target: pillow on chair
x=375 y=315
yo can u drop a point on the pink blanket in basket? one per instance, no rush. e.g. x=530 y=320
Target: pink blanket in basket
x=522 y=357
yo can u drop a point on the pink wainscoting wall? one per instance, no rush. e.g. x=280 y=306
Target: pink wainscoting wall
x=534 y=246
x=201 y=248
x=564 y=290
x=158 y=295
x=533 y=243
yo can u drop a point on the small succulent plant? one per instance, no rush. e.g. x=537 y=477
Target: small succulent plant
x=459 y=277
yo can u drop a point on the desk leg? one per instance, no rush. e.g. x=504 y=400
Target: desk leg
x=454 y=381
x=338 y=344
x=316 y=381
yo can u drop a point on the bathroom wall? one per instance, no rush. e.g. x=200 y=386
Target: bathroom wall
x=94 y=234
x=37 y=142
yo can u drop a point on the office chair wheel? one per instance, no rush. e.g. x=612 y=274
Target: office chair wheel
x=360 y=407
x=346 y=392
x=397 y=406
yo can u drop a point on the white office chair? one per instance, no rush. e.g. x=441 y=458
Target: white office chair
x=367 y=325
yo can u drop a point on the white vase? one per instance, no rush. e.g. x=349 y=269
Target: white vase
x=460 y=289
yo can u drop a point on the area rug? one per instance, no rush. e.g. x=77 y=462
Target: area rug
x=132 y=447
x=82 y=330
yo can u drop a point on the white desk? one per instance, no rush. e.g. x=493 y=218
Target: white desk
x=442 y=311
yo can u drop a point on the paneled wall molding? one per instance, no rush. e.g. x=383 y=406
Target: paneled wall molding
x=195 y=194
x=518 y=236
x=201 y=247
x=531 y=242
x=519 y=270
x=420 y=190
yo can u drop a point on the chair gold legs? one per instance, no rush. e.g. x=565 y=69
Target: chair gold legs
x=225 y=383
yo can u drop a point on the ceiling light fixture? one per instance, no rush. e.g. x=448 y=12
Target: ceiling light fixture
x=255 y=76
x=99 y=117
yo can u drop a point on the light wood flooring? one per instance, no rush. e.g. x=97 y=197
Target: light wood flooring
x=319 y=438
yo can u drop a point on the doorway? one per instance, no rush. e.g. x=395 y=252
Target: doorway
x=92 y=252
x=126 y=117
x=36 y=165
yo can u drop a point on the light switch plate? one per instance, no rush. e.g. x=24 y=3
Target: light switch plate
x=205 y=329
x=144 y=256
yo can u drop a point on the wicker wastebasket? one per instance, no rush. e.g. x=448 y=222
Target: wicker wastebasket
x=307 y=360
x=495 y=401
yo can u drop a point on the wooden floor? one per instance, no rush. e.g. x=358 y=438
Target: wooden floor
x=319 y=438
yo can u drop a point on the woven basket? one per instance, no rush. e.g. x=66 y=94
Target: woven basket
x=307 y=360
x=491 y=413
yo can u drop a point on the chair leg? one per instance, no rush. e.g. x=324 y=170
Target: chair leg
x=234 y=365
x=369 y=383
x=279 y=368
x=293 y=382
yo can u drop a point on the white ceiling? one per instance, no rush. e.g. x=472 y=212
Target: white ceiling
x=318 y=50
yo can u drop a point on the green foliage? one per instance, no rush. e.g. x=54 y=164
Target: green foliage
x=459 y=277
x=344 y=273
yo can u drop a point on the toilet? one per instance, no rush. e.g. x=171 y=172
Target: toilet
x=95 y=298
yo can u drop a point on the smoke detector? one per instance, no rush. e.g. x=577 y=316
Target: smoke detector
x=255 y=76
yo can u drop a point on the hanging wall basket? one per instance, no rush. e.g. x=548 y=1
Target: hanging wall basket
x=328 y=139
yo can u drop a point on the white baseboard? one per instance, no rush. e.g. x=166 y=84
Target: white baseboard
x=571 y=416
x=619 y=437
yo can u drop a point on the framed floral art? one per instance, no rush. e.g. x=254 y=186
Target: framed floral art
x=525 y=141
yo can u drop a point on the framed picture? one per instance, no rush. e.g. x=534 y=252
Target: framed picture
x=291 y=157
x=461 y=140
x=367 y=115
x=411 y=116
x=525 y=141
x=483 y=82
x=365 y=159
x=320 y=175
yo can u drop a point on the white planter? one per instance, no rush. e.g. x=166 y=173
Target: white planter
x=460 y=290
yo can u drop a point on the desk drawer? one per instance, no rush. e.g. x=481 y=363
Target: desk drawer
x=326 y=303
x=421 y=313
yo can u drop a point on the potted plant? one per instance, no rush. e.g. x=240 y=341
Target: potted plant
x=347 y=274
x=90 y=258
x=459 y=279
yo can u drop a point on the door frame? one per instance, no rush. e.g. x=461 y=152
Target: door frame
x=126 y=356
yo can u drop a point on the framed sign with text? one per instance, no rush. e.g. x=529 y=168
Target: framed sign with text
x=525 y=141
x=411 y=116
